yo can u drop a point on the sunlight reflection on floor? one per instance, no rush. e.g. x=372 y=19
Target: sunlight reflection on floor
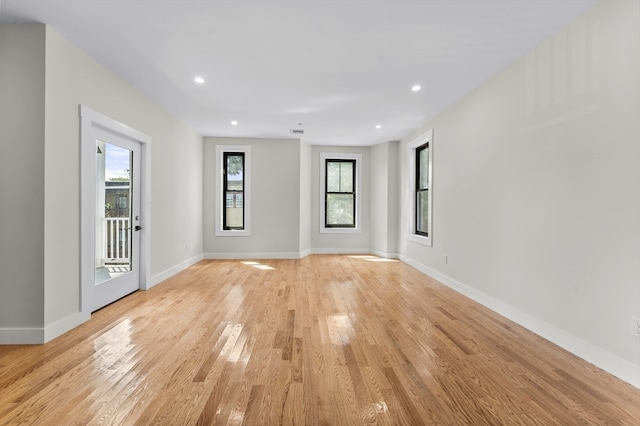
x=371 y=258
x=258 y=265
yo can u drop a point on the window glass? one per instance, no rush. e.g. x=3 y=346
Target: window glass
x=234 y=167
x=422 y=190
x=340 y=205
x=423 y=167
x=233 y=214
x=340 y=209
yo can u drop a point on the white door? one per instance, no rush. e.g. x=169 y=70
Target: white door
x=117 y=221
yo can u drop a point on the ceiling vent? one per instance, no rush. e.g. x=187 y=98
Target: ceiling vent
x=297 y=131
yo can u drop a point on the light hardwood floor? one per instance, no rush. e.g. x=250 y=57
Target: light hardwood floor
x=327 y=340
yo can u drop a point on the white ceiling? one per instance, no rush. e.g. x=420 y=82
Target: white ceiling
x=339 y=67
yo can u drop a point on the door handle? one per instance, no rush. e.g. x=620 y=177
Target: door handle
x=137 y=228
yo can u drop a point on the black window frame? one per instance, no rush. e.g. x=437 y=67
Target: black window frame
x=233 y=193
x=418 y=190
x=352 y=193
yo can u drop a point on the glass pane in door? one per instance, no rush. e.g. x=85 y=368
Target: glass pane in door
x=113 y=211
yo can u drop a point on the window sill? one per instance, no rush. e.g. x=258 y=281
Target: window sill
x=425 y=241
x=232 y=233
x=324 y=230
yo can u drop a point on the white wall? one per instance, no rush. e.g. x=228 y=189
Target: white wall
x=393 y=197
x=339 y=243
x=275 y=201
x=21 y=179
x=74 y=78
x=69 y=78
x=305 y=198
x=285 y=194
x=384 y=199
x=537 y=190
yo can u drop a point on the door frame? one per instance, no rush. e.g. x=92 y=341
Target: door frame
x=89 y=120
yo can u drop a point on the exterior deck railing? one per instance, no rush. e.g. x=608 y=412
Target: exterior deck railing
x=117 y=240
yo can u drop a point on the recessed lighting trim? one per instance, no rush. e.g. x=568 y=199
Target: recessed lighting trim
x=416 y=88
x=378 y=126
x=199 y=80
x=234 y=123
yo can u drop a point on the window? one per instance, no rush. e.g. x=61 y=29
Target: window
x=422 y=190
x=340 y=194
x=420 y=184
x=232 y=190
x=232 y=186
x=340 y=201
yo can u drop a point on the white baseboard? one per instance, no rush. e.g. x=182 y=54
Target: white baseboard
x=38 y=335
x=254 y=255
x=167 y=273
x=339 y=251
x=620 y=368
x=21 y=336
x=297 y=255
x=384 y=254
x=60 y=327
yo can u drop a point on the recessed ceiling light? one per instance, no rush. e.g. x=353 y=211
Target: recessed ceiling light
x=234 y=123
x=199 y=80
x=416 y=87
x=378 y=126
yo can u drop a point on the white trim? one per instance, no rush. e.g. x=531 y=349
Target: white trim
x=339 y=251
x=254 y=255
x=296 y=255
x=169 y=272
x=411 y=158
x=620 y=368
x=219 y=205
x=358 y=184
x=384 y=254
x=90 y=119
x=305 y=253
x=21 y=336
x=60 y=327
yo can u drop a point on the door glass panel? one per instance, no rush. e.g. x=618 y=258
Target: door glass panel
x=113 y=211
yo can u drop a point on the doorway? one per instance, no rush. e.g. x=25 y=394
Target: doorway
x=117 y=232
x=114 y=217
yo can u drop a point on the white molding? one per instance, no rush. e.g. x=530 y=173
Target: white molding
x=39 y=335
x=610 y=363
x=21 y=336
x=253 y=255
x=297 y=255
x=340 y=251
x=384 y=254
x=60 y=327
x=168 y=273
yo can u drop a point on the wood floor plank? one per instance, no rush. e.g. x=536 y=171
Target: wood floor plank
x=324 y=340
